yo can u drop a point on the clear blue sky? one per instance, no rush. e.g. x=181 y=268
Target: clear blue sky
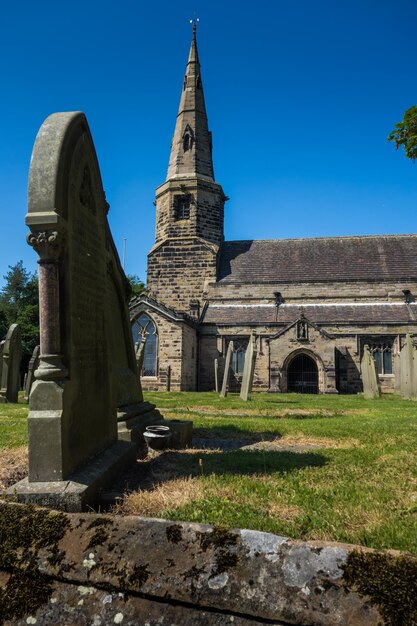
x=300 y=98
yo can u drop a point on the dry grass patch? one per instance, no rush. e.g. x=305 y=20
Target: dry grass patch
x=278 y=510
x=13 y=466
x=168 y=495
x=298 y=439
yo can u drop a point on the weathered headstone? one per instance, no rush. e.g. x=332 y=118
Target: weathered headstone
x=408 y=369
x=216 y=375
x=226 y=375
x=87 y=378
x=371 y=388
x=10 y=375
x=168 y=379
x=249 y=369
x=140 y=353
x=1 y=358
x=397 y=372
x=33 y=366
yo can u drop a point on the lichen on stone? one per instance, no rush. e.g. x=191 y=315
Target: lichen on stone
x=389 y=581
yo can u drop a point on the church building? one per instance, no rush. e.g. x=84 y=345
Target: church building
x=312 y=304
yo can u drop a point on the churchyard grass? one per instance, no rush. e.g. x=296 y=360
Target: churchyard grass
x=13 y=425
x=309 y=467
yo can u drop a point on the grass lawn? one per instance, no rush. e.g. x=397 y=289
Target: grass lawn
x=309 y=467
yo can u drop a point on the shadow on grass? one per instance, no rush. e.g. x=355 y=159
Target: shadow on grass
x=229 y=437
x=173 y=465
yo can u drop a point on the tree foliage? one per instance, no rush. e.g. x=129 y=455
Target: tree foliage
x=19 y=304
x=136 y=284
x=405 y=133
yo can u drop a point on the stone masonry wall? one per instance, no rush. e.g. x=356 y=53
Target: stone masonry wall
x=176 y=345
x=340 y=357
x=206 y=210
x=336 y=291
x=102 y=569
x=178 y=271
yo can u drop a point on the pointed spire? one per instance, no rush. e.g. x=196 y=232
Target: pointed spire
x=191 y=144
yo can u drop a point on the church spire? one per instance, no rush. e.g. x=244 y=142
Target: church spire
x=191 y=144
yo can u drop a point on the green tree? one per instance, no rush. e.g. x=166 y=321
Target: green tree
x=136 y=284
x=405 y=133
x=19 y=304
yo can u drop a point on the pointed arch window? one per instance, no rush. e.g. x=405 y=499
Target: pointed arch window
x=144 y=326
x=188 y=138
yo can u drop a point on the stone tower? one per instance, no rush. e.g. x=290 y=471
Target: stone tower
x=189 y=205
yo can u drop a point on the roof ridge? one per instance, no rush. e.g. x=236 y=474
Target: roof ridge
x=333 y=237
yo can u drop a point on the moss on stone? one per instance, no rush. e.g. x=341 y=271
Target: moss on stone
x=23 y=594
x=174 y=533
x=100 y=521
x=140 y=574
x=389 y=581
x=225 y=560
x=99 y=537
x=24 y=530
x=219 y=537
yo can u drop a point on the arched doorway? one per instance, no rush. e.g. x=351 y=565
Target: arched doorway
x=303 y=375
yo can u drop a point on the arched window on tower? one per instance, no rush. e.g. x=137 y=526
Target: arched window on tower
x=186 y=142
x=145 y=327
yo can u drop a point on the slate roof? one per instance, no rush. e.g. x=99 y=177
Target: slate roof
x=321 y=259
x=320 y=314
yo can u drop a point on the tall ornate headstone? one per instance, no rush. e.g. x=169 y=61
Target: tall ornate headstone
x=33 y=366
x=249 y=369
x=11 y=357
x=87 y=377
x=371 y=388
x=226 y=374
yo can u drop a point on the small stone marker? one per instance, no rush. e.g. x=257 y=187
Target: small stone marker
x=216 y=375
x=226 y=375
x=10 y=375
x=371 y=388
x=249 y=369
x=33 y=366
x=87 y=380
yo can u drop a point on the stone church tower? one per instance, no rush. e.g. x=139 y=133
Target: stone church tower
x=189 y=206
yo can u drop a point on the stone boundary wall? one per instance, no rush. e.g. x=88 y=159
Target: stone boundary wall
x=61 y=568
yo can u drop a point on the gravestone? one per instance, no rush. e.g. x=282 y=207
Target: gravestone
x=226 y=375
x=87 y=378
x=140 y=353
x=371 y=388
x=11 y=357
x=1 y=358
x=33 y=366
x=249 y=369
x=397 y=372
x=408 y=369
x=216 y=375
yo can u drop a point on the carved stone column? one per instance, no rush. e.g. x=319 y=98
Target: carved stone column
x=49 y=245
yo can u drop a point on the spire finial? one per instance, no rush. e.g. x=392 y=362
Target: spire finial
x=194 y=23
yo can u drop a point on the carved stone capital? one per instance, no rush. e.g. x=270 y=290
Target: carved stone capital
x=47 y=243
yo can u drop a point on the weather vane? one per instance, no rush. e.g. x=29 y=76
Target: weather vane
x=194 y=21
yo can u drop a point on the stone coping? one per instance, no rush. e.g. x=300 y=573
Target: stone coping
x=182 y=573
